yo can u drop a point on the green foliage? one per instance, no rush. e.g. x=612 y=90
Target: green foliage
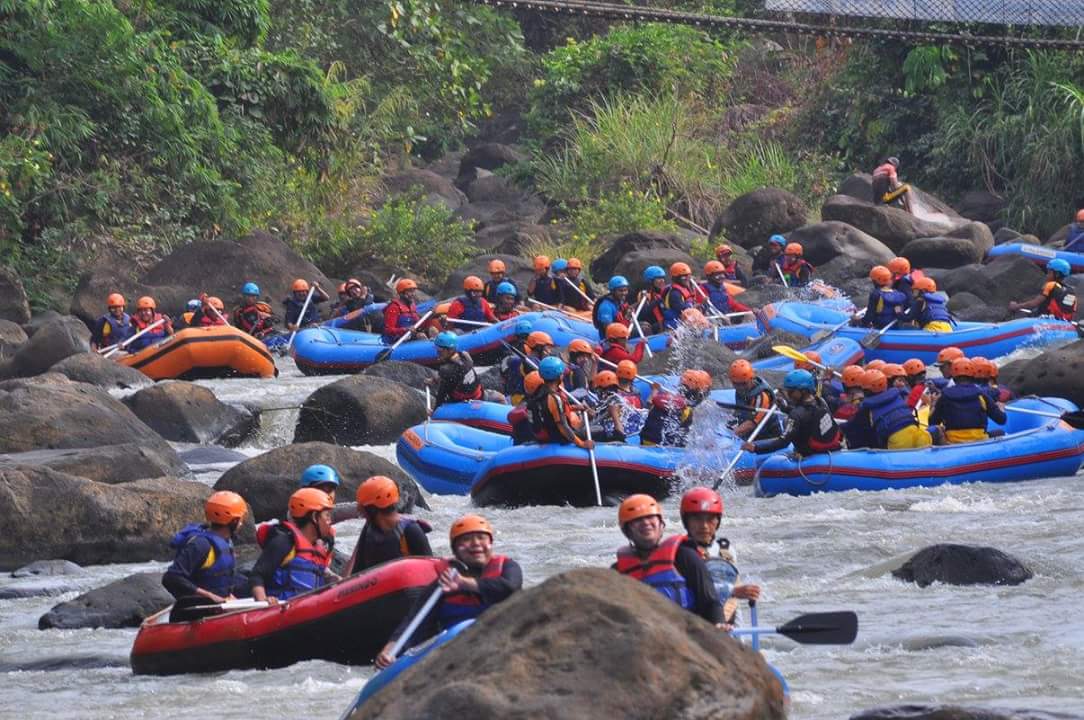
x=925 y=68
x=645 y=60
x=243 y=20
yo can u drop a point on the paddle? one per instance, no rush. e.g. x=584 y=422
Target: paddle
x=749 y=408
x=428 y=412
x=752 y=436
x=641 y=378
x=461 y=321
x=1074 y=418
x=591 y=455
x=799 y=356
x=241 y=604
x=425 y=610
x=779 y=269
x=828 y=628
x=108 y=352
x=640 y=330
x=386 y=352
x=581 y=293
x=218 y=314
x=823 y=334
x=873 y=339
x=753 y=619
x=301 y=316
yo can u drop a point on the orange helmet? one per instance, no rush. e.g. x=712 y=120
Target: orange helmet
x=115 y=300
x=575 y=264
x=982 y=368
x=875 y=364
x=469 y=524
x=341 y=290
x=637 y=506
x=899 y=265
x=532 y=381
x=913 y=367
x=701 y=500
x=146 y=303
x=496 y=266
x=579 y=345
x=627 y=370
x=307 y=500
x=721 y=250
x=874 y=381
x=300 y=286
x=696 y=380
x=605 y=379
x=712 y=267
x=216 y=303
x=378 y=491
x=740 y=371
x=679 y=269
x=852 y=376
x=880 y=275
x=963 y=367
x=925 y=284
x=223 y=507
x=617 y=331
x=538 y=339
x=694 y=318
x=810 y=355
x=541 y=262
x=405 y=284
x=892 y=370
x=473 y=282
x=949 y=354
x=794 y=249
x=1080 y=216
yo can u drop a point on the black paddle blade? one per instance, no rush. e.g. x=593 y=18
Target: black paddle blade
x=830 y=628
x=872 y=340
x=1075 y=419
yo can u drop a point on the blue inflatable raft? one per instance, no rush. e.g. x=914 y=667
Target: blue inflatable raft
x=1038 y=254
x=1033 y=447
x=990 y=340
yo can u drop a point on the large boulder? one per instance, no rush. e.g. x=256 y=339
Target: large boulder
x=1059 y=237
x=88 y=522
x=44 y=578
x=1005 y=278
x=941 y=252
x=434 y=189
x=49 y=345
x=407 y=373
x=982 y=205
x=516 y=268
x=186 y=412
x=618 y=248
x=979 y=234
x=501 y=211
x=268 y=480
x=892 y=226
x=826 y=241
x=632 y=266
x=860 y=187
x=93 y=369
x=88 y=302
x=12 y=337
x=13 y=304
x=1056 y=373
x=755 y=216
x=962 y=565
x=958 y=712
x=110 y=464
x=585 y=644
x=359 y=410
x=120 y=604
x=487 y=156
x=842 y=272
x=511 y=238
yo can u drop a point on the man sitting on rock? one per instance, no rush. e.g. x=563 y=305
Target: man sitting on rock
x=887 y=188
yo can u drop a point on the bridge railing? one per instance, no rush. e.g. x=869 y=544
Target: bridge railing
x=1062 y=13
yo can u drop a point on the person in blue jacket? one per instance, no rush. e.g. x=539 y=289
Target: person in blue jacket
x=296 y=301
x=612 y=307
x=929 y=308
x=204 y=563
x=886 y=412
x=964 y=408
x=885 y=305
x=1074 y=241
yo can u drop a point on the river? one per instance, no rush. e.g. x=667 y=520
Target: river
x=1013 y=646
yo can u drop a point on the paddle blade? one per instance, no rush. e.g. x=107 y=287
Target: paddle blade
x=872 y=340
x=819 y=335
x=830 y=628
x=789 y=352
x=1075 y=419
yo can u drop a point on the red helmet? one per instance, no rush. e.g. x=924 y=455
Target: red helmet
x=892 y=370
x=874 y=381
x=307 y=500
x=722 y=250
x=741 y=371
x=146 y=303
x=541 y=262
x=949 y=354
x=469 y=524
x=925 y=284
x=806 y=365
x=538 y=339
x=696 y=380
x=963 y=367
x=378 y=491
x=617 y=331
x=223 y=507
x=575 y=264
x=532 y=381
x=701 y=500
x=875 y=364
x=637 y=506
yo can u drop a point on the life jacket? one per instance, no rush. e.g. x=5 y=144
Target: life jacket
x=570 y=297
x=544 y=289
x=717 y=296
x=520 y=420
x=675 y=300
x=935 y=309
x=408 y=315
x=904 y=283
x=505 y=315
x=668 y=421
x=151 y=337
x=749 y=398
x=793 y=272
x=830 y=391
x=652 y=310
x=460 y=371
x=489 y=290
x=616 y=353
x=293 y=312
x=730 y=272
x=303 y=569
x=218 y=571
x=658 y=570
x=254 y=319
x=544 y=416
x=824 y=435
x=458 y=606
x=468 y=309
x=1062 y=304
x=884 y=302
x=370 y=553
x=889 y=413
x=962 y=407
x=112 y=331
x=617 y=313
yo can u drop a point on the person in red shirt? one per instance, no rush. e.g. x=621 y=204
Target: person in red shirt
x=887 y=188
x=471 y=306
x=401 y=313
x=615 y=347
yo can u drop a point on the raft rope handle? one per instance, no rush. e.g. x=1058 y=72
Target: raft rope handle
x=805 y=477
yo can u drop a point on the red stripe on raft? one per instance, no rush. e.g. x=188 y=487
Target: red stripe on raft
x=987 y=340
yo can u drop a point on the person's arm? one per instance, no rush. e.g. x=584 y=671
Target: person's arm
x=698 y=580
x=614 y=408
x=936 y=416
x=553 y=407
x=417 y=542
x=498 y=589
x=487 y=309
x=178 y=576
x=269 y=561
x=790 y=432
x=993 y=410
x=1037 y=301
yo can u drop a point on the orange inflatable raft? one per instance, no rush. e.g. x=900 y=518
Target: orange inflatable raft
x=204 y=352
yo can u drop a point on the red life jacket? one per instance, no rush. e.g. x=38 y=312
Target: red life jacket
x=304 y=570
x=459 y=606
x=658 y=569
x=1062 y=303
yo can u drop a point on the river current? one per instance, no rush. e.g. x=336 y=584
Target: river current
x=1001 y=646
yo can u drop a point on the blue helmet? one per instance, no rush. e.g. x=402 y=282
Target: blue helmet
x=800 y=380
x=1059 y=266
x=653 y=272
x=617 y=281
x=551 y=368
x=523 y=327
x=506 y=288
x=250 y=288
x=559 y=264
x=193 y=305
x=777 y=240
x=446 y=340
x=319 y=475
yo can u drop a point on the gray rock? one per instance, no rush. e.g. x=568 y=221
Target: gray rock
x=120 y=604
x=12 y=337
x=407 y=373
x=211 y=455
x=49 y=344
x=186 y=412
x=825 y=241
x=962 y=565
x=755 y=216
x=997 y=282
x=359 y=410
x=892 y=226
x=92 y=368
x=46 y=587
x=13 y=303
x=487 y=187
x=500 y=210
x=618 y=248
x=40 y=320
x=487 y=156
x=1006 y=235
x=1058 y=238
x=941 y=252
x=860 y=187
x=977 y=233
x=49 y=568
x=435 y=190
x=963 y=301
x=110 y=464
x=511 y=238
x=982 y=205
x=517 y=268
x=1056 y=373
x=632 y=266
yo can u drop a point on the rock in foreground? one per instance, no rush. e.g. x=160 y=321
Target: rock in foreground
x=586 y=644
x=122 y=603
x=963 y=565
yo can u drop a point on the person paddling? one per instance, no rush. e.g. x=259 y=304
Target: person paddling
x=146 y=316
x=204 y=564
x=457 y=380
x=253 y=316
x=498 y=277
x=884 y=305
x=810 y=426
x=401 y=313
x=386 y=535
x=114 y=327
x=964 y=408
x=670 y=414
x=1057 y=298
x=296 y=553
x=613 y=306
x=295 y=303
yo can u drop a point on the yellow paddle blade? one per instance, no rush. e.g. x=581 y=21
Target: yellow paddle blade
x=788 y=351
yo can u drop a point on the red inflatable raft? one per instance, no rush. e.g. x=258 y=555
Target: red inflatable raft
x=347 y=622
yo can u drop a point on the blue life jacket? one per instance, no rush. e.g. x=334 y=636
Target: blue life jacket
x=293 y=312
x=717 y=294
x=606 y=311
x=940 y=383
x=149 y=338
x=302 y=572
x=889 y=413
x=884 y=302
x=830 y=392
x=724 y=575
x=545 y=290
x=675 y=300
x=658 y=570
x=935 y=310
x=219 y=576
x=119 y=330
x=472 y=309
x=904 y=283
x=962 y=407
x=458 y=606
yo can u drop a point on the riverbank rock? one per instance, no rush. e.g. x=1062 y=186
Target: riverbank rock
x=12 y=337
x=93 y=369
x=860 y=186
x=517 y=268
x=1003 y=279
x=755 y=216
x=49 y=344
x=44 y=578
x=958 y=712
x=267 y=481
x=586 y=644
x=700 y=353
x=407 y=373
x=49 y=568
x=13 y=303
x=941 y=252
x=434 y=189
x=359 y=410
x=120 y=604
x=892 y=226
x=186 y=412
x=659 y=246
x=825 y=241
x=110 y=464
x=1056 y=373
x=88 y=522
x=487 y=156
x=962 y=565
